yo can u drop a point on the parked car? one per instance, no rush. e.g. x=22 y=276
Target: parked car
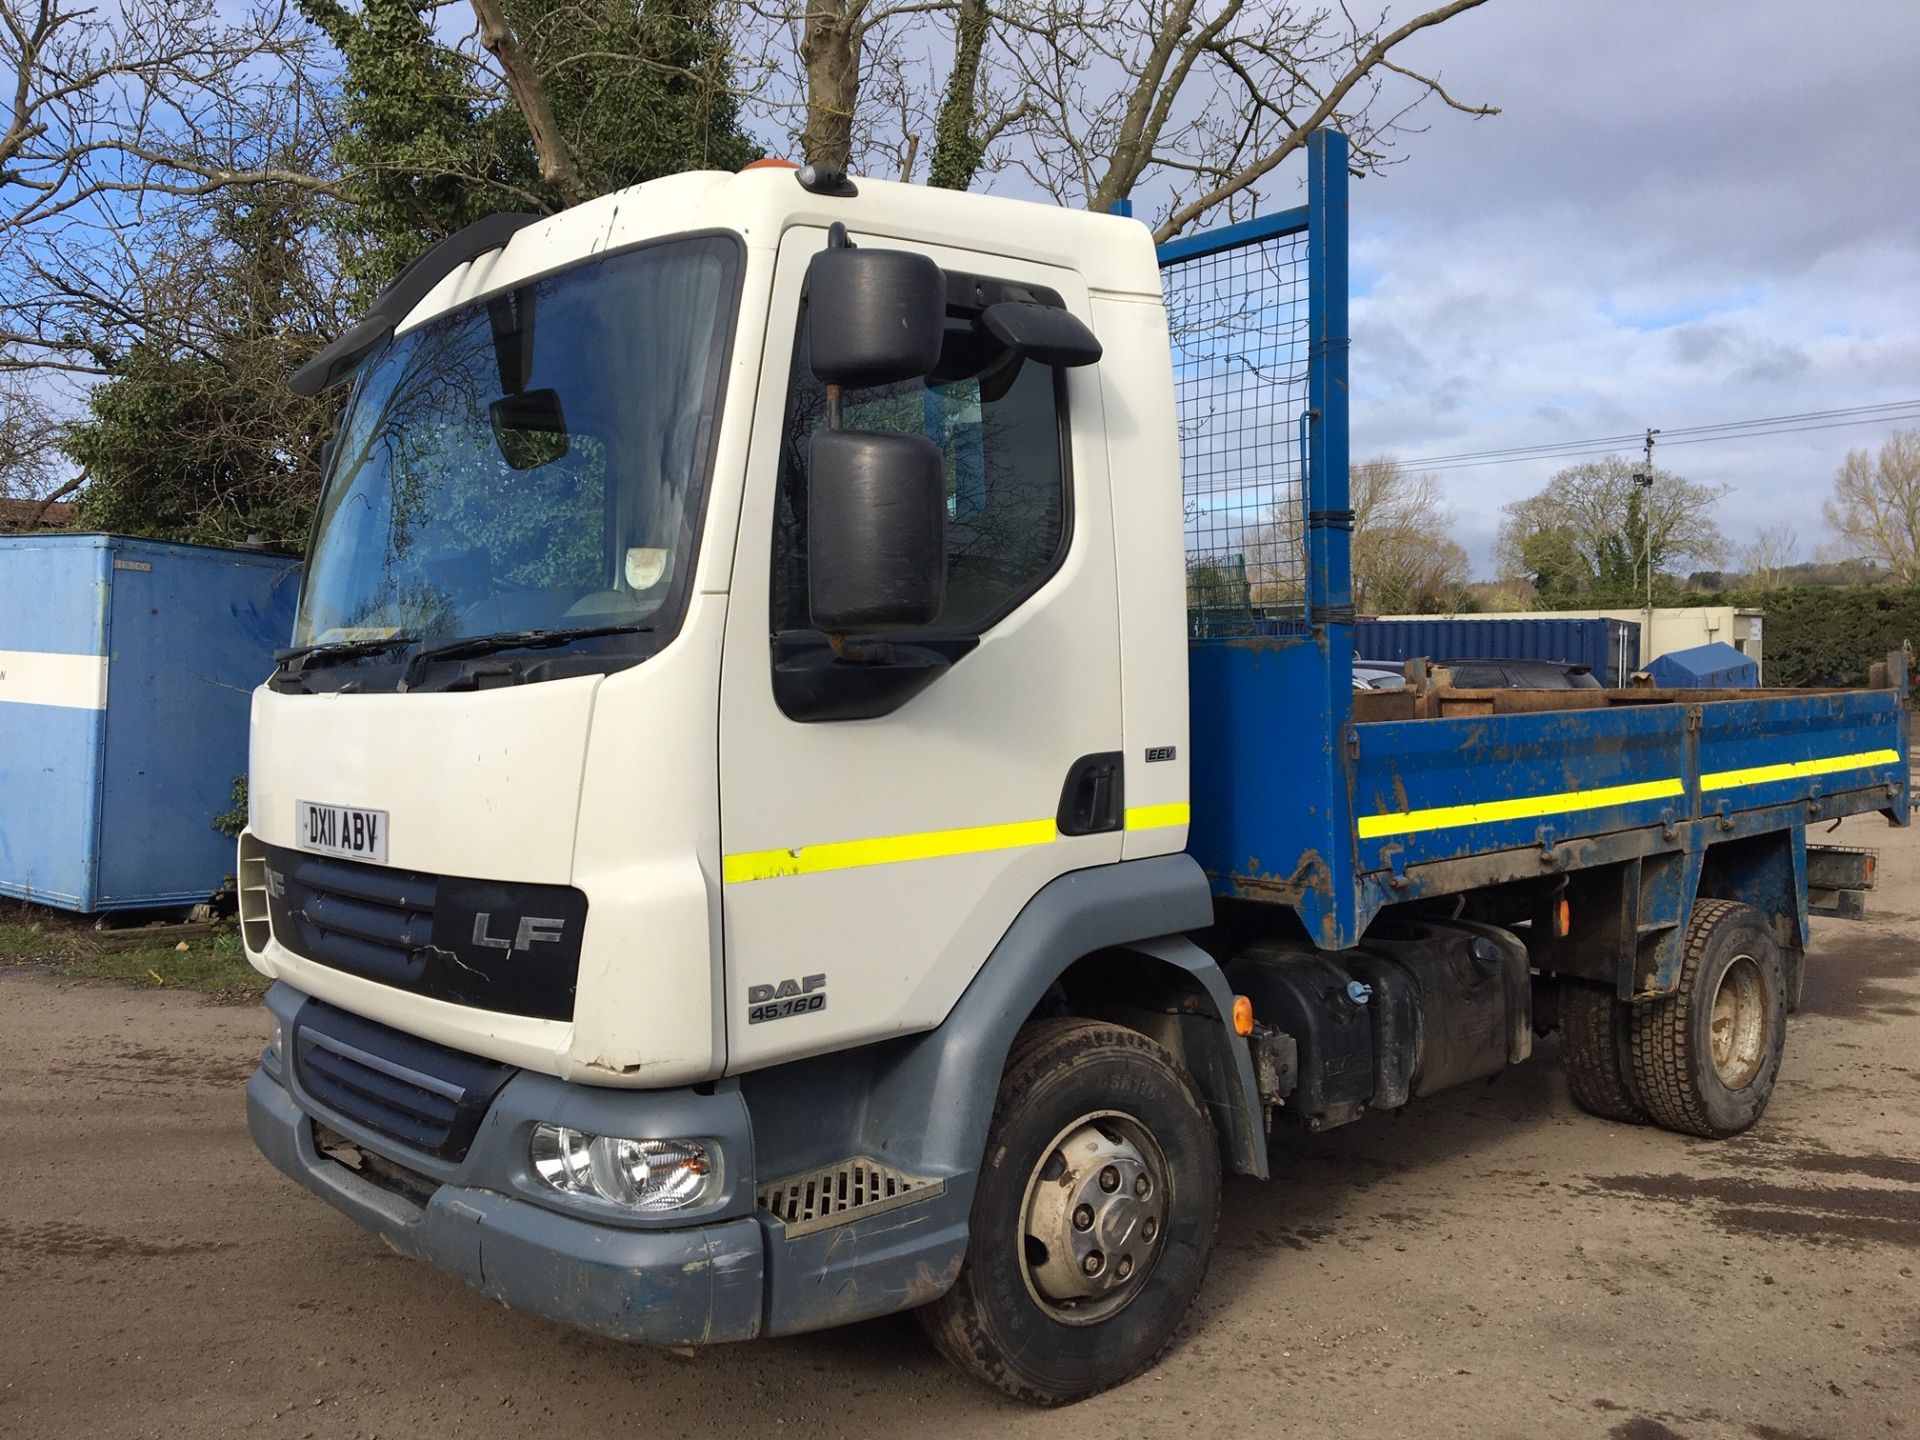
x=1520 y=675
x=1378 y=677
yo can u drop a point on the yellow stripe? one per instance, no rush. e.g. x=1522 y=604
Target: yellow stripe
x=1796 y=769
x=1485 y=812
x=886 y=850
x=1153 y=817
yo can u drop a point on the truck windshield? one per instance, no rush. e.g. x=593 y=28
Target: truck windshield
x=531 y=462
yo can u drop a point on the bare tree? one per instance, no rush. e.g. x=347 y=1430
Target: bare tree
x=147 y=98
x=1206 y=98
x=1766 y=557
x=124 y=122
x=31 y=467
x=1198 y=100
x=1875 y=506
x=1404 y=561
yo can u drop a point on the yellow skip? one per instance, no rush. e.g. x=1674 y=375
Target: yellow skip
x=1486 y=812
x=1796 y=769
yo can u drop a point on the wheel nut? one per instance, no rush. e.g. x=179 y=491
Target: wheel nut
x=1109 y=1179
x=1141 y=1185
x=1125 y=1267
x=1149 y=1230
x=1094 y=1262
x=1083 y=1218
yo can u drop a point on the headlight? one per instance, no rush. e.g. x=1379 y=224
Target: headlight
x=650 y=1175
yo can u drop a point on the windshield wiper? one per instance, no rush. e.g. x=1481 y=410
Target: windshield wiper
x=292 y=663
x=504 y=640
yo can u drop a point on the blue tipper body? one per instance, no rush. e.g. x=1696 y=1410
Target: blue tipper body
x=126 y=674
x=1296 y=802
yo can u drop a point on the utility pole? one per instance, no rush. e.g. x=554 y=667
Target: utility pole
x=1644 y=479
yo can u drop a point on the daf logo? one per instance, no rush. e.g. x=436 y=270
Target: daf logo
x=534 y=930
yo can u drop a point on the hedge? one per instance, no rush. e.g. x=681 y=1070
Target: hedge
x=1818 y=635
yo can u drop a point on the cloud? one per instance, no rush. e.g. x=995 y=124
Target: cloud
x=1685 y=215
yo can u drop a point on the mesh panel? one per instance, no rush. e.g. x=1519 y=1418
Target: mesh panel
x=1239 y=323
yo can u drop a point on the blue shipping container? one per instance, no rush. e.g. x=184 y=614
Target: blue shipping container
x=126 y=674
x=1609 y=648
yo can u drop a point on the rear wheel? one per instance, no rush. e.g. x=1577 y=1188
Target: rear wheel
x=1596 y=1034
x=1093 y=1220
x=1706 y=1057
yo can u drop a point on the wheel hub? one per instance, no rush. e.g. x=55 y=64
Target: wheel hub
x=1738 y=1027
x=1095 y=1216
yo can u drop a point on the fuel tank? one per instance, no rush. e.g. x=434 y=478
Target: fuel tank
x=1422 y=1005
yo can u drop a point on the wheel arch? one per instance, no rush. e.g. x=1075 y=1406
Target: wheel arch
x=1767 y=872
x=923 y=1103
x=1175 y=993
x=1078 y=936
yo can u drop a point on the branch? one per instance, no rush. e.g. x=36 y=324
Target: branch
x=1437 y=88
x=47 y=501
x=556 y=164
x=1329 y=104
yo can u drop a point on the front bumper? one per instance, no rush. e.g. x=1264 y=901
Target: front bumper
x=693 y=1284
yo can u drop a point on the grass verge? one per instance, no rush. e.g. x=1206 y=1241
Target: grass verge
x=212 y=963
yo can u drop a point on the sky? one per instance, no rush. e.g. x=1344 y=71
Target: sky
x=1686 y=213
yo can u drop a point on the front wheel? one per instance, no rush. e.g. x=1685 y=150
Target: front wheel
x=1093 y=1220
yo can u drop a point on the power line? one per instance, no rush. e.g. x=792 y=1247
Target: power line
x=1699 y=435
x=1803 y=415
x=1736 y=429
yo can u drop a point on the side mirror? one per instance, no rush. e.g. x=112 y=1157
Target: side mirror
x=874 y=317
x=876 y=531
x=1043 y=333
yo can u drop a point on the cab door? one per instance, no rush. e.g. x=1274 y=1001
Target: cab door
x=880 y=831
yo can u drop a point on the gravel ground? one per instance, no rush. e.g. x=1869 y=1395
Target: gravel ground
x=1491 y=1263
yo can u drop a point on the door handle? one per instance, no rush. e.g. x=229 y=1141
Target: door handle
x=1093 y=800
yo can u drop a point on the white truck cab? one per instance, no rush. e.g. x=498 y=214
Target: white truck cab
x=563 y=793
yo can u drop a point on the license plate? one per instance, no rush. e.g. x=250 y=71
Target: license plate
x=341 y=830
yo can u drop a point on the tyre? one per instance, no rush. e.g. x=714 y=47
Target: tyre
x=1093 y=1219
x=1596 y=1034
x=1705 y=1058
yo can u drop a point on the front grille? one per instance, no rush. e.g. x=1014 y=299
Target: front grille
x=491 y=944
x=423 y=1095
x=362 y=918
x=840 y=1194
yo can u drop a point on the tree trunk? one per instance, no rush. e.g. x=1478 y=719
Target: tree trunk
x=1138 y=134
x=956 y=146
x=830 y=50
x=556 y=164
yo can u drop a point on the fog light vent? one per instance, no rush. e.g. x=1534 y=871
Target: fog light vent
x=840 y=1194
